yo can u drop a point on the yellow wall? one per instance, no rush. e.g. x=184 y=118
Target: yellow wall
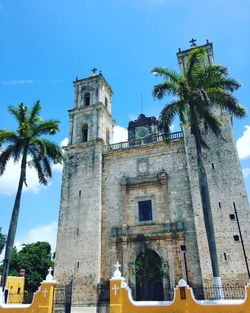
x=15 y=286
x=42 y=302
x=120 y=303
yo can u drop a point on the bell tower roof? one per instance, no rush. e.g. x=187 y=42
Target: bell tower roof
x=183 y=54
x=93 y=78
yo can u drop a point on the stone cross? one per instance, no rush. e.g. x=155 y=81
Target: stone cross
x=94 y=70
x=49 y=277
x=193 y=42
x=117 y=265
x=45 y=291
x=117 y=273
x=115 y=288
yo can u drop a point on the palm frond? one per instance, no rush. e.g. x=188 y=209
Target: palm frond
x=46 y=167
x=18 y=112
x=166 y=87
x=37 y=164
x=167 y=115
x=230 y=84
x=34 y=112
x=212 y=121
x=5 y=156
x=166 y=73
x=48 y=127
x=8 y=136
x=38 y=145
x=210 y=75
x=195 y=61
x=53 y=151
x=227 y=102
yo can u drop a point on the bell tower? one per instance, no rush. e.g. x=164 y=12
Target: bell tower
x=91 y=119
x=78 y=254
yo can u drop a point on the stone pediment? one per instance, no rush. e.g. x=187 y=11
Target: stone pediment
x=128 y=183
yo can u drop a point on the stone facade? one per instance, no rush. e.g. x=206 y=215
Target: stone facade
x=104 y=185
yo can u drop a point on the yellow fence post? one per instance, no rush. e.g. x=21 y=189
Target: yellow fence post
x=115 y=291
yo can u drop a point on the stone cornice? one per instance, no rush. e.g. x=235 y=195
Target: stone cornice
x=129 y=183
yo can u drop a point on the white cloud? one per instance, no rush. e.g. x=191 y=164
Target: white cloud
x=40 y=233
x=246 y=172
x=243 y=144
x=17 y=82
x=64 y=142
x=120 y=134
x=9 y=180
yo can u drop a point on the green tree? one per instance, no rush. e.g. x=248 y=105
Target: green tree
x=195 y=92
x=2 y=240
x=35 y=258
x=29 y=147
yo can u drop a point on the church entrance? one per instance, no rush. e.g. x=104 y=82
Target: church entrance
x=149 y=276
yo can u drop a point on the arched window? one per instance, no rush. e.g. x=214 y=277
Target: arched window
x=106 y=102
x=85 y=133
x=107 y=136
x=87 y=99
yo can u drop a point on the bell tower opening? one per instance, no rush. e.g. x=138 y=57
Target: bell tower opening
x=85 y=132
x=87 y=99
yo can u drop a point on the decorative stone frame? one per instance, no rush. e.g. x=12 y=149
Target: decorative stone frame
x=142 y=166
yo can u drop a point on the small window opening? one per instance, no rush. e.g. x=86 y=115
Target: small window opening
x=236 y=238
x=145 y=210
x=106 y=102
x=232 y=217
x=80 y=193
x=213 y=166
x=85 y=133
x=77 y=264
x=225 y=256
x=219 y=205
x=77 y=231
x=87 y=99
x=107 y=136
x=183 y=248
x=18 y=290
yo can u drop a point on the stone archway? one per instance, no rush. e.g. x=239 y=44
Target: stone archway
x=149 y=276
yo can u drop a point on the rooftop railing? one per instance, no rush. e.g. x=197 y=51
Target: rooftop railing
x=144 y=141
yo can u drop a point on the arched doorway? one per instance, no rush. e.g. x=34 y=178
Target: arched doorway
x=149 y=276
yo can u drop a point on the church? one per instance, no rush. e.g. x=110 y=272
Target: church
x=138 y=202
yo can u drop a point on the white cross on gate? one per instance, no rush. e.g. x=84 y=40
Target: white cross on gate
x=117 y=265
x=44 y=291
x=115 y=288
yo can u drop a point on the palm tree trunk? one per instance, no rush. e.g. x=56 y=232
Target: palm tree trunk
x=13 y=224
x=206 y=205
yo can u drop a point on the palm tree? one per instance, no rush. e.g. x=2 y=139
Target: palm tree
x=195 y=92
x=28 y=146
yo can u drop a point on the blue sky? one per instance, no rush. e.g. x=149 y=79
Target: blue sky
x=45 y=44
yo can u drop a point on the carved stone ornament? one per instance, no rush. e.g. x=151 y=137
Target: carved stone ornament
x=142 y=166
